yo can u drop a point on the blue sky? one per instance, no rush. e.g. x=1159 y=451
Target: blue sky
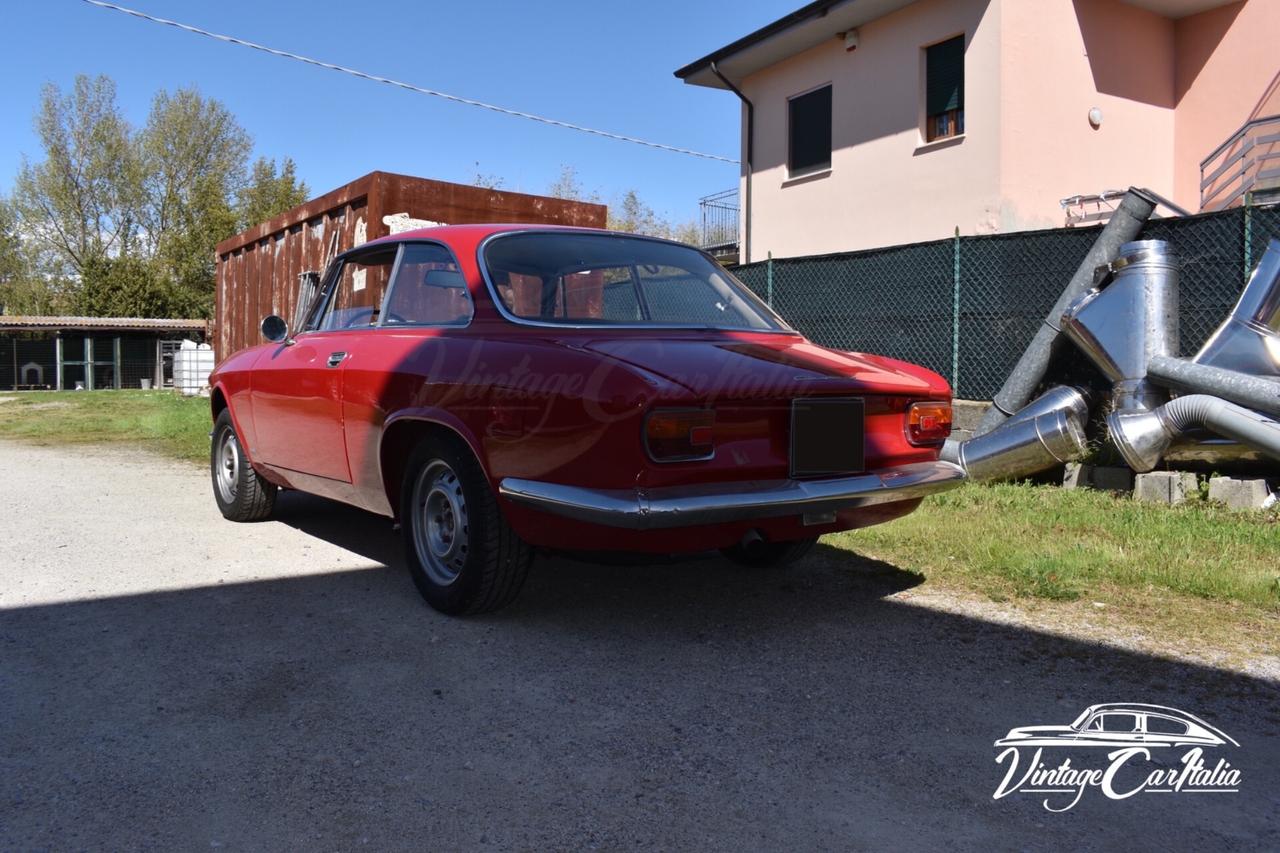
x=602 y=64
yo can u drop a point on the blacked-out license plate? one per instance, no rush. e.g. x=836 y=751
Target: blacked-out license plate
x=827 y=436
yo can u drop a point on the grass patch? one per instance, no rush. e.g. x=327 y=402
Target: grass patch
x=162 y=421
x=1057 y=544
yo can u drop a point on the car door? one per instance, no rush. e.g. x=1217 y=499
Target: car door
x=297 y=386
x=411 y=357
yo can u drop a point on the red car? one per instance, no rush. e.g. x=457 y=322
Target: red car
x=504 y=388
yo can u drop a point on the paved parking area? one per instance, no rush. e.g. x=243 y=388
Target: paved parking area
x=168 y=679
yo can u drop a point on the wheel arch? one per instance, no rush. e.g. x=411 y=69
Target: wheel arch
x=217 y=402
x=405 y=432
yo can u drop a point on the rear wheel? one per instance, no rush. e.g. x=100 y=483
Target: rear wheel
x=463 y=556
x=761 y=554
x=240 y=493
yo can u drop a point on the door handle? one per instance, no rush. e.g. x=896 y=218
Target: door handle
x=335 y=358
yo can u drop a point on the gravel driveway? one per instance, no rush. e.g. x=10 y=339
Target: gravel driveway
x=171 y=680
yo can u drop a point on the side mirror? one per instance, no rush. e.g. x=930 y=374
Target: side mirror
x=275 y=329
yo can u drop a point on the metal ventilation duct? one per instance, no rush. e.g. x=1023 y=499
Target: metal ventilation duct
x=1143 y=437
x=1187 y=376
x=1248 y=341
x=1020 y=447
x=1123 y=324
x=1058 y=398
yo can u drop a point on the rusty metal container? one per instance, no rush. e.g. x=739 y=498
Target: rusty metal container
x=262 y=270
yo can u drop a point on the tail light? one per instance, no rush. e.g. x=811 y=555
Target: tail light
x=679 y=435
x=928 y=423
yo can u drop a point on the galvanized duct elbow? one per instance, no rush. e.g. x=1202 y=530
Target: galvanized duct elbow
x=1143 y=437
x=1187 y=376
x=1021 y=447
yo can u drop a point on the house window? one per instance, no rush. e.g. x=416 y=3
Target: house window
x=809 y=141
x=944 y=89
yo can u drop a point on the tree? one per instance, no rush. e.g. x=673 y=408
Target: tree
x=631 y=214
x=126 y=287
x=270 y=192
x=81 y=203
x=193 y=156
x=634 y=216
x=486 y=181
x=567 y=186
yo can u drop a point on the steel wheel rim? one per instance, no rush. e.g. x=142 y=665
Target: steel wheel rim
x=441 y=527
x=227 y=473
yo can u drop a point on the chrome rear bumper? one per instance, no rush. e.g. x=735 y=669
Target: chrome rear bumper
x=713 y=503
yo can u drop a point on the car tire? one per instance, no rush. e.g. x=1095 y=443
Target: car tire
x=463 y=556
x=767 y=555
x=240 y=493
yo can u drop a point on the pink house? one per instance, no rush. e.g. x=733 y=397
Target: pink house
x=874 y=122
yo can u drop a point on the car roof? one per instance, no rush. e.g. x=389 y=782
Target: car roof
x=1140 y=708
x=478 y=231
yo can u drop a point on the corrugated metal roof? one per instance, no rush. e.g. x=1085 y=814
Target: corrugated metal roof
x=16 y=322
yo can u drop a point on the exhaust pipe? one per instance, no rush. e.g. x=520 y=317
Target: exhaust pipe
x=1249 y=339
x=1123 y=324
x=1131 y=214
x=1189 y=377
x=1066 y=398
x=1143 y=437
x=1026 y=446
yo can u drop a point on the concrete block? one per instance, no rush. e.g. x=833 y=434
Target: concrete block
x=1239 y=494
x=967 y=414
x=1165 y=487
x=1104 y=479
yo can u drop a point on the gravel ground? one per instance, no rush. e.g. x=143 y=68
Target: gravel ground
x=171 y=680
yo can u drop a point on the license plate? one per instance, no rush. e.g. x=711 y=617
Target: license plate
x=827 y=436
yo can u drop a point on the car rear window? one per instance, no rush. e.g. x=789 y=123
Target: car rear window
x=576 y=278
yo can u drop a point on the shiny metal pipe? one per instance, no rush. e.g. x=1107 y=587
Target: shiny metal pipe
x=1122 y=325
x=1143 y=437
x=1058 y=398
x=1187 y=376
x=1018 y=448
x=1249 y=339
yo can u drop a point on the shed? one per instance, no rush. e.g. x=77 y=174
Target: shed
x=273 y=267
x=64 y=353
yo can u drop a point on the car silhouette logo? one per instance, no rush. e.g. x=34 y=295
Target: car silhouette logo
x=1123 y=724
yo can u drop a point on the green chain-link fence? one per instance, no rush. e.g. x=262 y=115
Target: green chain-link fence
x=967 y=307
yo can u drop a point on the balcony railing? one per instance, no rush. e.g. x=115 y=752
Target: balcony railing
x=719 y=215
x=1248 y=162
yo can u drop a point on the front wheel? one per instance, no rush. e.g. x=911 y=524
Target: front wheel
x=765 y=555
x=463 y=556
x=240 y=493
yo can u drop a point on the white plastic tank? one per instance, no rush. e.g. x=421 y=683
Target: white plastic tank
x=192 y=364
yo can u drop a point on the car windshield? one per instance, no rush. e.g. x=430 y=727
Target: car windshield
x=574 y=278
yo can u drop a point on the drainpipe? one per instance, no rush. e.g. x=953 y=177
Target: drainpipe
x=751 y=136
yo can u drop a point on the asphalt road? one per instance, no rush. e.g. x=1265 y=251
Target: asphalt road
x=171 y=680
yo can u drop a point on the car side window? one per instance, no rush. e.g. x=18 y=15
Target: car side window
x=1119 y=723
x=429 y=290
x=1165 y=726
x=357 y=293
